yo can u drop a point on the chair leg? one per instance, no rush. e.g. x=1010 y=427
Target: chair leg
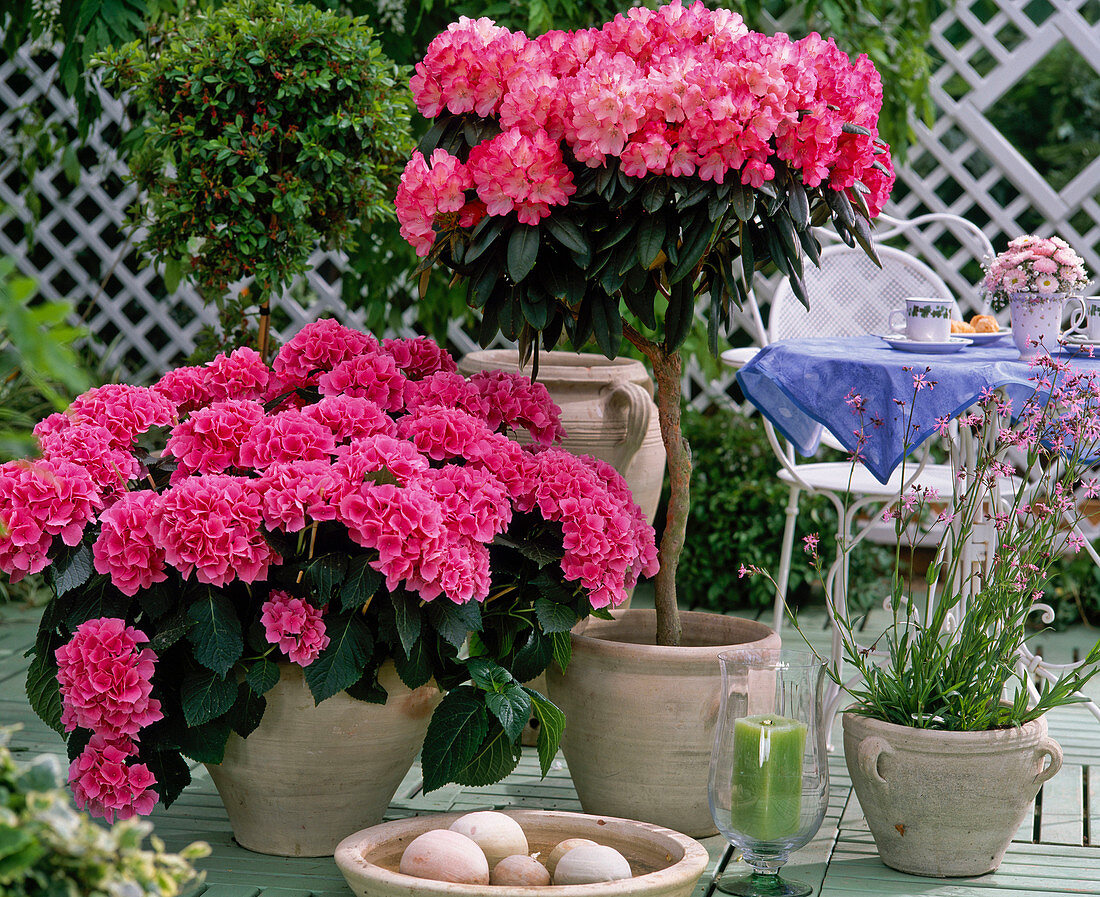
x=837 y=599
x=786 y=552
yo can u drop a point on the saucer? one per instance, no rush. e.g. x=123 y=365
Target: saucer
x=984 y=339
x=1079 y=344
x=928 y=347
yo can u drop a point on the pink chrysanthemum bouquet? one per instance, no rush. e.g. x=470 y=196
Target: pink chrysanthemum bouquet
x=1039 y=265
x=235 y=513
x=599 y=182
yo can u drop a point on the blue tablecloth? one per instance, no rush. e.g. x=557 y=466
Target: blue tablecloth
x=801 y=385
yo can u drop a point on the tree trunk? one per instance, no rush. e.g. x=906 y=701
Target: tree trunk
x=667 y=369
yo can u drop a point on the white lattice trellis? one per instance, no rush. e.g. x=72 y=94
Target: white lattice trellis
x=959 y=164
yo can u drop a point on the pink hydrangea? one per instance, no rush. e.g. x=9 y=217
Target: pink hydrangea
x=442 y=433
x=295 y=493
x=107 y=786
x=185 y=387
x=295 y=626
x=94 y=448
x=290 y=435
x=107 y=680
x=474 y=503
x=446 y=390
x=514 y=401
x=127 y=411
x=40 y=500
x=364 y=457
x=241 y=374
x=349 y=417
x=316 y=348
x=372 y=375
x=210 y=526
x=210 y=440
x=127 y=549
x=419 y=357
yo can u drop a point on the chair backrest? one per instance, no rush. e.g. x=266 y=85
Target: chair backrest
x=850 y=295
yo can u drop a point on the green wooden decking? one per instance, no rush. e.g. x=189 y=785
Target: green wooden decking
x=1052 y=853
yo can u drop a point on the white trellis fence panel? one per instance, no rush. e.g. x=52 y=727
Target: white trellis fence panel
x=961 y=164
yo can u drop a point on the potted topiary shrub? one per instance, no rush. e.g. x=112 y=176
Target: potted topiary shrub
x=276 y=570
x=270 y=127
x=599 y=184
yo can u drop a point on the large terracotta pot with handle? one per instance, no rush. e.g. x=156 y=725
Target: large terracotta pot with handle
x=607 y=411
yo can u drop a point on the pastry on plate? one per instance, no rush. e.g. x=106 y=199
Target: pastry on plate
x=961 y=327
x=985 y=324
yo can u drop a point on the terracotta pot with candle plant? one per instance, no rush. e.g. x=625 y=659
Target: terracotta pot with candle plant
x=598 y=185
x=946 y=741
x=276 y=570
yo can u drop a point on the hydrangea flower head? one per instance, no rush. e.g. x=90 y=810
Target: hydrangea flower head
x=127 y=549
x=295 y=626
x=107 y=786
x=316 y=348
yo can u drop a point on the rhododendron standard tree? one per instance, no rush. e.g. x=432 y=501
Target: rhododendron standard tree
x=354 y=502
x=600 y=182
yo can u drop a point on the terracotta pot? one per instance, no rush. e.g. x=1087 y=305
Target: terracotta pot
x=946 y=804
x=639 y=719
x=309 y=775
x=607 y=411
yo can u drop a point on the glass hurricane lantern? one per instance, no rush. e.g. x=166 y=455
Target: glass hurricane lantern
x=769 y=774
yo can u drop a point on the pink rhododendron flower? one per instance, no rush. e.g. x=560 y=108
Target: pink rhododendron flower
x=94 y=448
x=210 y=526
x=521 y=172
x=349 y=417
x=428 y=192
x=127 y=411
x=316 y=348
x=372 y=375
x=210 y=440
x=40 y=500
x=292 y=492
x=106 y=680
x=127 y=549
x=287 y=436
x=418 y=357
x=106 y=786
x=295 y=626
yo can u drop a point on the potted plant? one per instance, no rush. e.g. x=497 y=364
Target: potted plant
x=51 y=848
x=252 y=562
x=946 y=741
x=269 y=128
x=599 y=184
x=1034 y=277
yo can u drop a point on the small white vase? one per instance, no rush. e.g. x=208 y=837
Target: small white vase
x=1036 y=322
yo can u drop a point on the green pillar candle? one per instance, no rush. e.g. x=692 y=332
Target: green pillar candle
x=767 y=776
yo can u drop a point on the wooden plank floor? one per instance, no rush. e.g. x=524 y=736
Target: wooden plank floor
x=1052 y=853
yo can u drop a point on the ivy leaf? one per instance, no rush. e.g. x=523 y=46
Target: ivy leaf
x=362 y=581
x=457 y=729
x=512 y=708
x=493 y=759
x=523 y=251
x=262 y=676
x=341 y=663
x=551 y=726
x=554 y=617
x=205 y=696
x=216 y=635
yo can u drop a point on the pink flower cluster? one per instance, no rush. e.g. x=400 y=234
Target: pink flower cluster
x=411 y=457
x=1036 y=265
x=678 y=91
x=295 y=626
x=106 y=685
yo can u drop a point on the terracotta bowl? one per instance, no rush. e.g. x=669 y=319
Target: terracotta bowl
x=665 y=863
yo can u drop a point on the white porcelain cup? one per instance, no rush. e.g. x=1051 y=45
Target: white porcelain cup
x=1084 y=321
x=924 y=320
